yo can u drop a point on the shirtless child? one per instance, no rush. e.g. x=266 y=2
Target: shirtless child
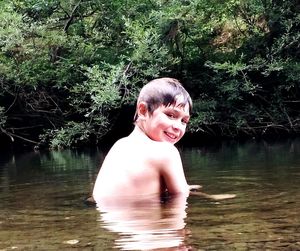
x=146 y=162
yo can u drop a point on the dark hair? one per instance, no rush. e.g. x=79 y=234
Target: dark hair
x=163 y=91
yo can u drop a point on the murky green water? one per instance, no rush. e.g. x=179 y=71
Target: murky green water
x=41 y=203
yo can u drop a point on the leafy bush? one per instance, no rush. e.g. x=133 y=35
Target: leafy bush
x=69 y=68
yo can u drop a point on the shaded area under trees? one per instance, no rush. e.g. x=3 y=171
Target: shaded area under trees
x=71 y=70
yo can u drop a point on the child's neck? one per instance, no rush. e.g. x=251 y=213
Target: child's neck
x=139 y=133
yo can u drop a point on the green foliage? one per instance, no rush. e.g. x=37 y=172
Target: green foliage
x=68 y=68
x=257 y=84
x=3 y=118
x=11 y=24
x=73 y=134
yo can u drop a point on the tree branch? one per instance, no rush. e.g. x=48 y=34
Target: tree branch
x=71 y=17
x=12 y=135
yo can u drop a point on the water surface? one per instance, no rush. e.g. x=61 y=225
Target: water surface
x=42 y=205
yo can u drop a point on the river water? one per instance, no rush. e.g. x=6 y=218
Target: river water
x=42 y=202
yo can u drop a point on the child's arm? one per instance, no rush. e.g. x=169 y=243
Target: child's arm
x=174 y=178
x=213 y=196
x=172 y=171
x=194 y=187
x=194 y=191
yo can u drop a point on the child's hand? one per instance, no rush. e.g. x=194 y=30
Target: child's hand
x=215 y=197
x=224 y=196
x=194 y=187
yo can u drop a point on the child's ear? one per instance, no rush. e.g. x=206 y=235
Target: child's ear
x=142 y=110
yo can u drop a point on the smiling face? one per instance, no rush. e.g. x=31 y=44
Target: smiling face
x=166 y=123
x=163 y=110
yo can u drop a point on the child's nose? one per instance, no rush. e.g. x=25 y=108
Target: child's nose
x=177 y=125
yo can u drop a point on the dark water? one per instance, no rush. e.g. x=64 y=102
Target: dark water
x=41 y=202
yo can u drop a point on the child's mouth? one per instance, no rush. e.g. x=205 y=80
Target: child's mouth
x=171 y=136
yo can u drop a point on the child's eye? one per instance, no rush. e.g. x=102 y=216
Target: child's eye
x=171 y=115
x=185 y=121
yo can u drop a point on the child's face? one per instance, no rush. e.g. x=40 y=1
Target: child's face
x=167 y=123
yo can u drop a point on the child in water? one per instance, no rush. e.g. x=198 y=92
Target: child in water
x=146 y=162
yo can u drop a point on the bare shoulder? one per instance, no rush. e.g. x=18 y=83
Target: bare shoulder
x=118 y=149
x=146 y=150
x=167 y=147
x=164 y=150
x=123 y=142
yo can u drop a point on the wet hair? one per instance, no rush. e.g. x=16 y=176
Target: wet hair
x=163 y=91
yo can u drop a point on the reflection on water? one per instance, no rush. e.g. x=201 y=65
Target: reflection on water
x=265 y=214
x=42 y=205
x=145 y=223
